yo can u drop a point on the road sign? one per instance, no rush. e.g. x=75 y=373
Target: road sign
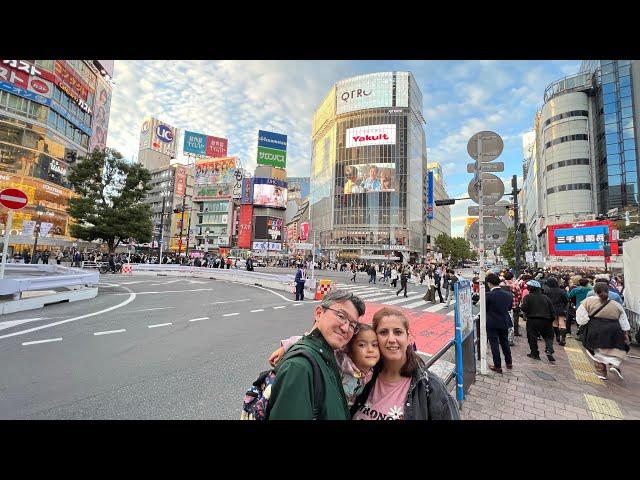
x=302 y=246
x=492 y=189
x=13 y=198
x=486 y=167
x=495 y=232
x=491 y=145
x=495 y=211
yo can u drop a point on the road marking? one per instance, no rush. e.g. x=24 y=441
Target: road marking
x=262 y=288
x=159 y=325
x=230 y=314
x=198 y=319
x=582 y=367
x=417 y=304
x=408 y=298
x=13 y=323
x=451 y=313
x=132 y=283
x=109 y=332
x=172 y=281
x=283 y=306
x=259 y=310
x=166 y=291
x=231 y=301
x=132 y=296
x=151 y=309
x=43 y=341
x=297 y=304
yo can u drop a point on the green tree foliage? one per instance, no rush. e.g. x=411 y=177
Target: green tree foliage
x=456 y=248
x=110 y=205
x=508 y=250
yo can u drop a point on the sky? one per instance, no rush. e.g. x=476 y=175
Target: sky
x=234 y=99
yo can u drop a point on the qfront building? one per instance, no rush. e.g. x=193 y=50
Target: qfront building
x=52 y=112
x=368 y=168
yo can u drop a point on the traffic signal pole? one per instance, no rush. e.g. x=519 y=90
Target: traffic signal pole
x=516 y=224
x=483 y=298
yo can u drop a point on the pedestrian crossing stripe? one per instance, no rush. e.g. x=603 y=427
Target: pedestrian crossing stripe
x=379 y=294
x=402 y=300
x=435 y=308
x=417 y=304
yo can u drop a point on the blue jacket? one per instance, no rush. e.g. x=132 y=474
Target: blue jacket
x=299 y=277
x=499 y=302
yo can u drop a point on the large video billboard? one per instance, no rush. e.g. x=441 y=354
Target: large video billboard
x=269 y=192
x=210 y=192
x=584 y=238
x=371 y=177
x=268 y=228
x=214 y=171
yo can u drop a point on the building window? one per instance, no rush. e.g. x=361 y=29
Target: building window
x=572 y=186
x=573 y=113
x=568 y=163
x=568 y=138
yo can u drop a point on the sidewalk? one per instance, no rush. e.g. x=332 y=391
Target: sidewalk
x=568 y=390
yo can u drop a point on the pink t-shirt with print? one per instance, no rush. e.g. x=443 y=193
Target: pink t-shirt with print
x=386 y=401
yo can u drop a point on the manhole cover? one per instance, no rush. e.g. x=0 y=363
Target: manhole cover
x=544 y=375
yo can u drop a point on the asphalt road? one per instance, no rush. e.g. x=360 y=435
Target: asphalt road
x=196 y=367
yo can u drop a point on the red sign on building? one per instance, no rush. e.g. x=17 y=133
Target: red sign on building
x=216 y=147
x=244 y=227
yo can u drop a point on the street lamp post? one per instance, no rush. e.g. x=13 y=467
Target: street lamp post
x=39 y=210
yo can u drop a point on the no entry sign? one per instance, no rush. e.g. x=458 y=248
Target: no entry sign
x=13 y=198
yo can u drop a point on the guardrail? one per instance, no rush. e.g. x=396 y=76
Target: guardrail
x=634 y=321
x=439 y=354
x=56 y=276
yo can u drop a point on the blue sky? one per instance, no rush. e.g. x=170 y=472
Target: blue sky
x=235 y=99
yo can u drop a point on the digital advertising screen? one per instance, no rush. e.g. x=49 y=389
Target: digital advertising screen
x=269 y=192
x=372 y=177
x=584 y=238
x=212 y=171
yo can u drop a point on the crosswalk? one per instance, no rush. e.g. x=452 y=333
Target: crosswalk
x=387 y=296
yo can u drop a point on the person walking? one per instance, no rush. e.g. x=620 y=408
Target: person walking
x=429 y=296
x=292 y=392
x=354 y=270
x=437 y=280
x=517 y=297
x=540 y=315
x=404 y=276
x=499 y=304
x=445 y=282
x=559 y=299
x=606 y=335
x=452 y=281
x=301 y=278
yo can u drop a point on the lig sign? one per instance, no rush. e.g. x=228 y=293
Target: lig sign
x=371 y=135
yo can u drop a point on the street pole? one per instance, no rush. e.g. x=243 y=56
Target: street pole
x=189 y=232
x=516 y=224
x=35 y=243
x=161 y=233
x=7 y=229
x=313 y=261
x=184 y=199
x=483 y=300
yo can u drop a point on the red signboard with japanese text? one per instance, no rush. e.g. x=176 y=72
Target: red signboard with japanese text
x=216 y=147
x=581 y=238
x=181 y=181
x=244 y=228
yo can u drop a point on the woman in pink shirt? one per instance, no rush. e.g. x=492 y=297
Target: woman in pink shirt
x=401 y=388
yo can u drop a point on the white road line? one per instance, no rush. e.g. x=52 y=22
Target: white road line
x=259 y=310
x=172 y=281
x=132 y=296
x=159 y=325
x=417 y=304
x=402 y=299
x=109 y=332
x=156 y=284
x=435 y=308
x=297 y=304
x=452 y=312
x=166 y=291
x=132 y=283
x=231 y=301
x=262 y=288
x=151 y=309
x=377 y=294
x=230 y=314
x=276 y=308
x=43 y=341
x=198 y=319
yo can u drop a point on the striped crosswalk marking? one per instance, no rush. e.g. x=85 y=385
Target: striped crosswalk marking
x=451 y=313
x=417 y=304
x=376 y=294
x=402 y=299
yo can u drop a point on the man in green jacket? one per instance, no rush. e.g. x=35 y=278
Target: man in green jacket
x=336 y=320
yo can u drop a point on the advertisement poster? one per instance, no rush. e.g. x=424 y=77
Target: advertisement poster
x=244 y=227
x=371 y=135
x=216 y=147
x=195 y=143
x=583 y=238
x=269 y=192
x=430 y=195
x=181 y=181
x=272 y=149
x=208 y=192
x=304 y=231
x=212 y=171
x=373 y=177
x=101 y=109
x=247 y=191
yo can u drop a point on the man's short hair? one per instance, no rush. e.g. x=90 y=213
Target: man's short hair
x=338 y=296
x=493 y=279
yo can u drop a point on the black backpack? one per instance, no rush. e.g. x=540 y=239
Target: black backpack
x=256 y=399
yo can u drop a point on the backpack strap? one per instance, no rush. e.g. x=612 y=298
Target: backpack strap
x=318 y=384
x=598 y=310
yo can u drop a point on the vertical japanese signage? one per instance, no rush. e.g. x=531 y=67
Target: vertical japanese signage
x=181 y=181
x=430 y=195
x=204 y=145
x=101 y=109
x=244 y=227
x=272 y=149
x=247 y=192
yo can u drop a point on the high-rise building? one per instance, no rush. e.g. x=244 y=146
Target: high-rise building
x=368 y=166
x=298 y=188
x=441 y=221
x=52 y=112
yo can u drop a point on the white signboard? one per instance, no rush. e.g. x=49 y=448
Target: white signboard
x=371 y=135
x=302 y=246
x=538 y=257
x=28 y=226
x=528 y=257
x=223 y=240
x=44 y=228
x=261 y=246
x=364 y=91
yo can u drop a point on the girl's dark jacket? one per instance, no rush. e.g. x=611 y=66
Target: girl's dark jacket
x=427 y=398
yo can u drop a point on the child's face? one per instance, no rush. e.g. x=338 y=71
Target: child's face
x=364 y=351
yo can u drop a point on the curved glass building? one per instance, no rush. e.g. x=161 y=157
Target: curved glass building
x=368 y=166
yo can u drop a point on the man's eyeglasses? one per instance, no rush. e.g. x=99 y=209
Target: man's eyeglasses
x=344 y=319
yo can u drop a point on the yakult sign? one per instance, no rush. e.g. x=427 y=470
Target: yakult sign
x=371 y=135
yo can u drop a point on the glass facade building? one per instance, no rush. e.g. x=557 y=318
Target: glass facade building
x=368 y=168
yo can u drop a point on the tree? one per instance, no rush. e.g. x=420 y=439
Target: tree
x=110 y=205
x=457 y=248
x=508 y=250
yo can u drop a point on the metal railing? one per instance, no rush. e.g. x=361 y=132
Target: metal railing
x=438 y=355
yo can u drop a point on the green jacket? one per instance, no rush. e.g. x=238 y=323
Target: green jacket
x=291 y=393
